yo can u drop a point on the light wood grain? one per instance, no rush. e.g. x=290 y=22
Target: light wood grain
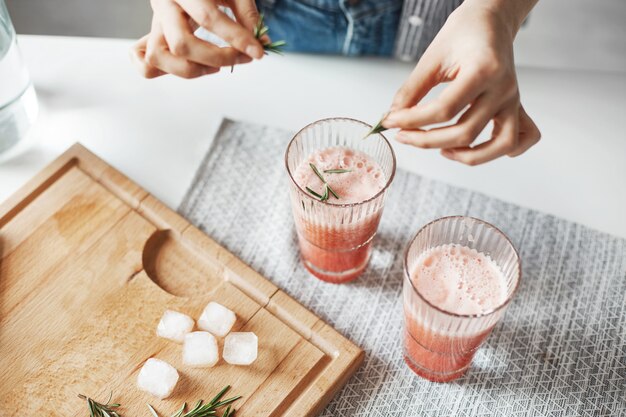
x=88 y=263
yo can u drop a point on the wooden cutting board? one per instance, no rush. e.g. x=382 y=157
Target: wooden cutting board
x=88 y=263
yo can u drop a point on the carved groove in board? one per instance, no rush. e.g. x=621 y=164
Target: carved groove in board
x=168 y=261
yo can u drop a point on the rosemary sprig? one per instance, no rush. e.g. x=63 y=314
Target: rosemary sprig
x=202 y=409
x=261 y=30
x=313 y=193
x=153 y=411
x=336 y=171
x=275 y=47
x=228 y=412
x=378 y=127
x=97 y=409
x=327 y=188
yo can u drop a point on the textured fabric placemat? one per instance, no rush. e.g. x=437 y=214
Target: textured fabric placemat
x=560 y=350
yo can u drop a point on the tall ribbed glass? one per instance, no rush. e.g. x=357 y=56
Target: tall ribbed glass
x=439 y=345
x=336 y=239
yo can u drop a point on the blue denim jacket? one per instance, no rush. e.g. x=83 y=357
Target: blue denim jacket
x=347 y=27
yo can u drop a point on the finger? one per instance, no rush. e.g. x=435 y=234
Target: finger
x=183 y=43
x=138 y=57
x=461 y=134
x=209 y=16
x=504 y=140
x=453 y=99
x=529 y=133
x=423 y=78
x=246 y=13
x=159 y=56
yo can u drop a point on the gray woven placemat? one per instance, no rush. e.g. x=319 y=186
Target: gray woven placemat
x=559 y=351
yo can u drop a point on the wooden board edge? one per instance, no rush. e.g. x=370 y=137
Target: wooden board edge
x=110 y=178
x=162 y=216
x=76 y=155
x=345 y=361
x=37 y=184
x=293 y=313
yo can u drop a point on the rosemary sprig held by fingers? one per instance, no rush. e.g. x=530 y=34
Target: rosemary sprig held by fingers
x=261 y=30
x=378 y=127
x=97 y=409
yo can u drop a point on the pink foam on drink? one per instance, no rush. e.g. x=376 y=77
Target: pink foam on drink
x=459 y=280
x=363 y=182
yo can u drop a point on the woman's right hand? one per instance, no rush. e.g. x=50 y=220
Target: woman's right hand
x=171 y=46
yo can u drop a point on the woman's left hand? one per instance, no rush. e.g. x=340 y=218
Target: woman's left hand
x=474 y=52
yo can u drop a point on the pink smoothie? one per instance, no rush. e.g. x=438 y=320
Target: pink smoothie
x=337 y=248
x=459 y=280
x=363 y=181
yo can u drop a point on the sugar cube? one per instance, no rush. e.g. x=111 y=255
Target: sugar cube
x=240 y=348
x=216 y=319
x=200 y=350
x=157 y=377
x=174 y=326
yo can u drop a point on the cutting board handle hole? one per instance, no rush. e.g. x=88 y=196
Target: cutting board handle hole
x=172 y=265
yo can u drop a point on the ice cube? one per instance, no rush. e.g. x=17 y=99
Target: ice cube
x=174 y=326
x=240 y=348
x=216 y=319
x=200 y=350
x=157 y=377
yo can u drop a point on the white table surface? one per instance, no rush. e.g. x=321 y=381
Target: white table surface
x=156 y=131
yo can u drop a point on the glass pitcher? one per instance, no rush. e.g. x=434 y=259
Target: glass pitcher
x=18 y=102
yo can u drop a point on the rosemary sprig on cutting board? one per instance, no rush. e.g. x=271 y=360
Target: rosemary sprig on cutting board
x=97 y=409
x=202 y=409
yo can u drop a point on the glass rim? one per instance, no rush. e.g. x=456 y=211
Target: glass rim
x=378 y=194
x=450 y=313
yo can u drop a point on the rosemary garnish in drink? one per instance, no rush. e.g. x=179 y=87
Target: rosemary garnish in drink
x=259 y=31
x=202 y=409
x=97 y=409
x=327 y=188
x=314 y=193
x=336 y=171
x=378 y=127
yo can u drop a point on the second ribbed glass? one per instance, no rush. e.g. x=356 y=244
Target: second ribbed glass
x=439 y=345
x=336 y=239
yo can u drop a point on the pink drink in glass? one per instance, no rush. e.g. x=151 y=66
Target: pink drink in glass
x=460 y=273
x=335 y=234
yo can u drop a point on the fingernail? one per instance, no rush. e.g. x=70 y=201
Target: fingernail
x=447 y=153
x=255 y=51
x=401 y=136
